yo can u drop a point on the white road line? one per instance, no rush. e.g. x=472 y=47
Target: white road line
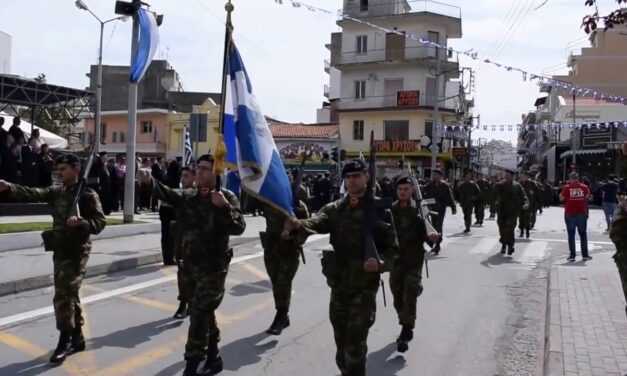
x=566 y=241
x=13 y=319
x=484 y=246
x=533 y=252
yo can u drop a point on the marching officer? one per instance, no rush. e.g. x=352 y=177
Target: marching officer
x=439 y=190
x=469 y=193
x=70 y=244
x=510 y=201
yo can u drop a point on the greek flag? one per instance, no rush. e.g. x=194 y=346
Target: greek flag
x=187 y=158
x=249 y=143
x=147 y=44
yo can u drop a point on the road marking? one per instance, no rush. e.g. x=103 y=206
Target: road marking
x=484 y=246
x=13 y=319
x=533 y=252
x=37 y=352
x=566 y=241
x=162 y=306
x=255 y=271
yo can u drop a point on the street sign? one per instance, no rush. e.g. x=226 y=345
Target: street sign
x=396 y=146
x=459 y=153
x=408 y=98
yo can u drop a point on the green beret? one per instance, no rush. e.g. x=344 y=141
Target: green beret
x=356 y=165
x=69 y=159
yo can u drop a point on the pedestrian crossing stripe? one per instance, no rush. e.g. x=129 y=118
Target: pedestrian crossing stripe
x=527 y=252
x=484 y=246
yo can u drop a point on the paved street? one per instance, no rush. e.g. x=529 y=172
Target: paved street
x=481 y=314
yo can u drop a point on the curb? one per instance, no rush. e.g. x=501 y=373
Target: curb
x=553 y=355
x=32 y=283
x=543 y=340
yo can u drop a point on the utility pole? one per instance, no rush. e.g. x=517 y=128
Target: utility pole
x=98 y=131
x=435 y=134
x=129 y=183
x=574 y=143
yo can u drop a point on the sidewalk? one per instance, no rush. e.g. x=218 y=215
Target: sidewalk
x=587 y=323
x=31 y=268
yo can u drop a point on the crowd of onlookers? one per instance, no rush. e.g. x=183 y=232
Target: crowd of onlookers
x=24 y=161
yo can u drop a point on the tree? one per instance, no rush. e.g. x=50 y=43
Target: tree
x=591 y=22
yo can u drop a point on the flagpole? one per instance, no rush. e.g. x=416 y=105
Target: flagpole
x=220 y=152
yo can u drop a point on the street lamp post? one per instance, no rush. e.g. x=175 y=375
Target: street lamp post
x=80 y=4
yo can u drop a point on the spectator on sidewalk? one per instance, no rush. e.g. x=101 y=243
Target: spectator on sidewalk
x=575 y=196
x=609 y=199
x=618 y=234
x=45 y=165
x=35 y=141
x=16 y=132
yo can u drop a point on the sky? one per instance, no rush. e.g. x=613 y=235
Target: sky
x=283 y=47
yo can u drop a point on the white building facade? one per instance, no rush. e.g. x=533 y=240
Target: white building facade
x=386 y=83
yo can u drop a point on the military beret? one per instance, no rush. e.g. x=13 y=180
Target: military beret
x=206 y=158
x=69 y=159
x=404 y=180
x=356 y=165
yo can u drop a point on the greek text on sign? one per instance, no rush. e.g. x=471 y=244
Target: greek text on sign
x=408 y=98
x=396 y=146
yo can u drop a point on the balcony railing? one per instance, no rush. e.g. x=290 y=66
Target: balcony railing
x=391 y=55
x=397 y=8
x=388 y=101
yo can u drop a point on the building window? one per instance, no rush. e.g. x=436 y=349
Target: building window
x=396 y=130
x=434 y=37
x=361 y=45
x=122 y=137
x=114 y=137
x=146 y=126
x=358 y=130
x=429 y=129
x=363 y=5
x=103 y=135
x=360 y=89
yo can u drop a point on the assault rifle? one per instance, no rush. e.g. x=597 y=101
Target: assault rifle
x=370 y=247
x=423 y=208
x=295 y=186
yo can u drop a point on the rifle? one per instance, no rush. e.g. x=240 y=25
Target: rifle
x=423 y=208
x=295 y=201
x=370 y=247
x=83 y=180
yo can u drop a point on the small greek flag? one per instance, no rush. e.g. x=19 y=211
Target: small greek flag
x=187 y=159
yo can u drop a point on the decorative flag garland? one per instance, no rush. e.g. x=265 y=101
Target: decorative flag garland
x=463 y=128
x=527 y=76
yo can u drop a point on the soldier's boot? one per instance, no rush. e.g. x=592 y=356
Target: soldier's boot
x=503 y=249
x=527 y=234
x=521 y=233
x=436 y=250
x=407 y=334
x=191 y=367
x=280 y=322
x=78 y=340
x=64 y=348
x=181 y=311
x=213 y=363
x=510 y=249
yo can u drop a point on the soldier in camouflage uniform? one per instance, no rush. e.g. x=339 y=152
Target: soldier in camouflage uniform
x=281 y=257
x=527 y=216
x=208 y=218
x=484 y=199
x=406 y=273
x=183 y=273
x=469 y=194
x=510 y=201
x=441 y=192
x=70 y=244
x=618 y=234
x=354 y=282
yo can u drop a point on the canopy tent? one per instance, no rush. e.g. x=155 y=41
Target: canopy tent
x=54 y=141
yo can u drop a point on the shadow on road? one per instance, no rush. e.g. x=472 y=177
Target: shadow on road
x=380 y=365
x=131 y=337
x=246 y=351
x=114 y=276
x=498 y=259
x=174 y=369
x=247 y=288
x=29 y=368
x=574 y=263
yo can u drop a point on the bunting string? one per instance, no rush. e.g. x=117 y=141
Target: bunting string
x=472 y=54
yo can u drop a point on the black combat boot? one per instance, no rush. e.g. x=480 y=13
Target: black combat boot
x=281 y=321
x=191 y=367
x=521 y=233
x=503 y=249
x=78 y=340
x=510 y=249
x=467 y=230
x=436 y=250
x=407 y=334
x=181 y=312
x=527 y=234
x=213 y=363
x=64 y=348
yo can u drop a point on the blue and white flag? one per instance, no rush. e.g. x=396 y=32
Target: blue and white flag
x=249 y=141
x=147 y=44
x=187 y=158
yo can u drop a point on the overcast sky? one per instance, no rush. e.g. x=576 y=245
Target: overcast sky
x=283 y=47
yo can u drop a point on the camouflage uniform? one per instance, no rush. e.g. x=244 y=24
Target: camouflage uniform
x=280 y=256
x=484 y=199
x=510 y=200
x=443 y=195
x=527 y=216
x=205 y=246
x=469 y=194
x=406 y=274
x=71 y=246
x=618 y=234
x=184 y=279
x=352 y=306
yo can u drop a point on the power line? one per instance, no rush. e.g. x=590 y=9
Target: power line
x=513 y=20
x=521 y=21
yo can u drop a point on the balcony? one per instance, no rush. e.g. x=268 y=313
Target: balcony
x=391 y=102
x=423 y=54
x=327 y=66
x=142 y=148
x=392 y=8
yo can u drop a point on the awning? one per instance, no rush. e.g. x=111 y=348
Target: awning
x=583 y=152
x=53 y=141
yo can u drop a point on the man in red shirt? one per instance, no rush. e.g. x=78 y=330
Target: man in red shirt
x=575 y=196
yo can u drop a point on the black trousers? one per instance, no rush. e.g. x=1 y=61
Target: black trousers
x=166 y=215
